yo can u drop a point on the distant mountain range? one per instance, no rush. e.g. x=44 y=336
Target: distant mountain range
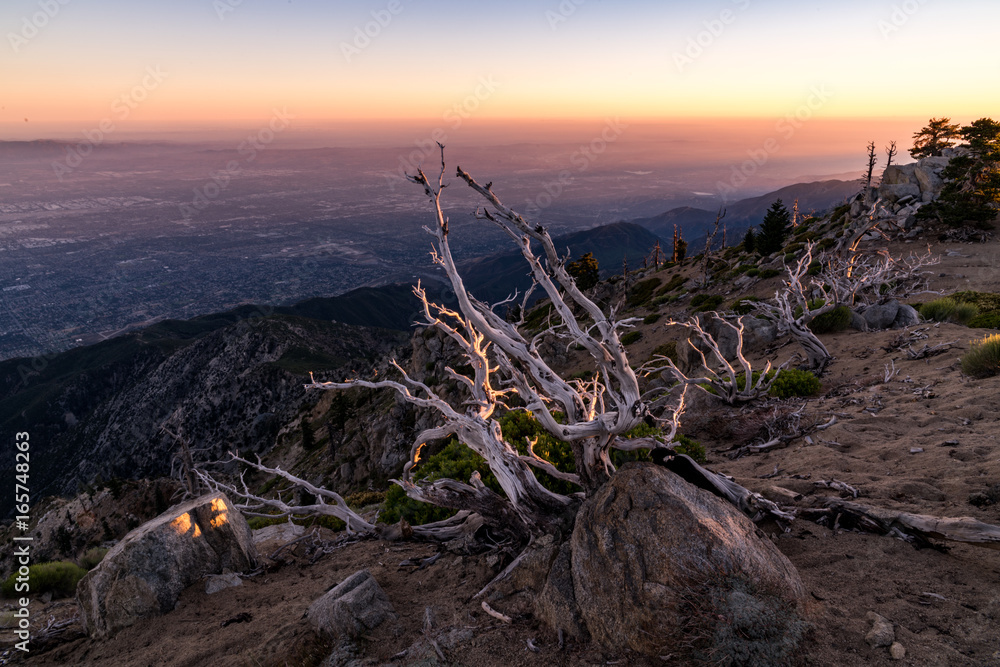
x=695 y=222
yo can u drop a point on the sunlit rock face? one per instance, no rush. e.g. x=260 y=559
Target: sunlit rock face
x=146 y=571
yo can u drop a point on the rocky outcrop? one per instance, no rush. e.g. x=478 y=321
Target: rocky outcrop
x=145 y=572
x=651 y=554
x=352 y=607
x=919 y=181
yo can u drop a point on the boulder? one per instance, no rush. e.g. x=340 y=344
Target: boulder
x=220 y=582
x=351 y=608
x=898 y=174
x=758 y=333
x=858 y=321
x=929 y=182
x=881 y=316
x=882 y=632
x=658 y=562
x=906 y=316
x=894 y=192
x=145 y=572
x=556 y=605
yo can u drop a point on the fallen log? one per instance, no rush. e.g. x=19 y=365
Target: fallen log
x=920 y=527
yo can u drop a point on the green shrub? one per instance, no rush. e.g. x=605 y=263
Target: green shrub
x=364 y=498
x=985 y=301
x=59 y=578
x=947 y=309
x=754 y=272
x=831 y=321
x=814 y=268
x=642 y=292
x=676 y=282
x=538 y=315
x=744 y=305
x=668 y=349
x=690 y=447
x=789 y=257
x=769 y=273
x=706 y=302
x=92 y=557
x=794 y=247
x=631 y=337
x=983 y=359
x=652 y=318
x=985 y=321
x=793 y=382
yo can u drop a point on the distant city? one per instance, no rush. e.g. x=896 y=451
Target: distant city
x=129 y=234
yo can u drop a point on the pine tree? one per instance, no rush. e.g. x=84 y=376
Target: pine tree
x=585 y=271
x=773 y=229
x=934 y=137
x=750 y=241
x=971 y=193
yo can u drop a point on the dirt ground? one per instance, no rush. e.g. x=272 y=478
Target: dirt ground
x=944 y=604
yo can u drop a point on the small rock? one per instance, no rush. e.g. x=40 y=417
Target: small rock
x=950 y=443
x=897 y=651
x=881 y=633
x=916 y=450
x=218 y=582
x=351 y=608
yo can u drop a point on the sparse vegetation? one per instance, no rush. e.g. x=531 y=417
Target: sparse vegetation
x=631 y=337
x=949 y=310
x=983 y=359
x=642 y=292
x=58 y=578
x=705 y=302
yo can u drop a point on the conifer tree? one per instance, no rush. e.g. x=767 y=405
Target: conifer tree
x=972 y=181
x=750 y=240
x=934 y=137
x=773 y=229
x=585 y=271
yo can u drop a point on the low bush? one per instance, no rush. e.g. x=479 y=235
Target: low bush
x=690 y=447
x=985 y=321
x=652 y=318
x=631 y=337
x=983 y=359
x=642 y=292
x=675 y=283
x=364 y=498
x=831 y=321
x=754 y=272
x=744 y=305
x=949 y=310
x=769 y=273
x=668 y=349
x=793 y=382
x=92 y=558
x=706 y=302
x=58 y=578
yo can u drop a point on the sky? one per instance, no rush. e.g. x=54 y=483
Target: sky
x=66 y=66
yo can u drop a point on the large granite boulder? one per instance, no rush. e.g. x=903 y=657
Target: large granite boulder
x=351 y=608
x=652 y=554
x=881 y=316
x=145 y=572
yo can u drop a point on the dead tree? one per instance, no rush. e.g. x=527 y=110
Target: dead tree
x=731 y=384
x=890 y=152
x=848 y=278
x=709 y=240
x=872 y=160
